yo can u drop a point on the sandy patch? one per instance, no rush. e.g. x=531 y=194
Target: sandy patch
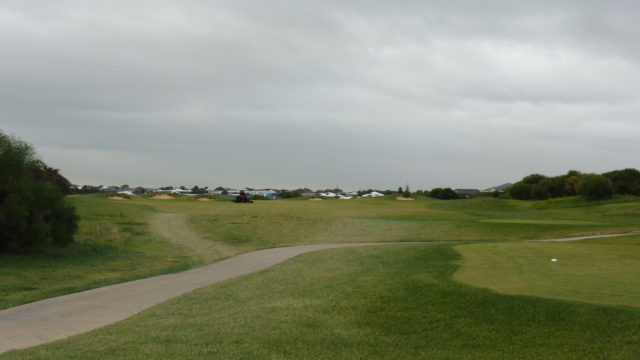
x=204 y=199
x=403 y=198
x=116 y=198
x=315 y=198
x=162 y=197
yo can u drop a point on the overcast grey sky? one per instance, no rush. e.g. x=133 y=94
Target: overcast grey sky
x=297 y=93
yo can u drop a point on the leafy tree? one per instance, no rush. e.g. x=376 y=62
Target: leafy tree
x=548 y=188
x=624 y=181
x=406 y=193
x=197 y=190
x=595 y=187
x=44 y=173
x=33 y=214
x=521 y=190
x=571 y=181
x=533 y=179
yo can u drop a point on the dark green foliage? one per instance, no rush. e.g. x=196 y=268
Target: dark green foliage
x=533 y=179
x=540 y=187
x=444 y=194
x=33 y=214
x=626 y=181
x=521 y=191
x=198 y=190
x=595 y=187
x=287 y=194
x=44 y=173
x=548 y=188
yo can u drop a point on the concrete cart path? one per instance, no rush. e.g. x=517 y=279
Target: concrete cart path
x=635 y=232
x=60 y=317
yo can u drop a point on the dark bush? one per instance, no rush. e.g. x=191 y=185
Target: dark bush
x=624 y=181
x=33 y=213
x=595 y=187
x=533 y=179
x=444 y=194
x=520 y=191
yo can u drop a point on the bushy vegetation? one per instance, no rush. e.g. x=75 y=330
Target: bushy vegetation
x=290 y=194
x=444 y=194
x=595 y=187
x=33 y=213
x=626 y=181
x=540 y=187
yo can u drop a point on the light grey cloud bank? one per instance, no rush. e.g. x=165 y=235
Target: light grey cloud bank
x=290 y=93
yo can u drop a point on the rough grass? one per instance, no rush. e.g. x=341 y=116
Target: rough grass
x=114 y=244
x=602 y=271
x=118 y=241
x=382 y=302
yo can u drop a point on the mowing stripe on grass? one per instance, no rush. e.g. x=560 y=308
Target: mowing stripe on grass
x=57 y=318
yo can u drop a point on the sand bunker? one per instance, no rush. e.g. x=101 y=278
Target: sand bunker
x=115 y=197
x=204 y=199
x=162 y=197
x=403 y=198
x=315 y=198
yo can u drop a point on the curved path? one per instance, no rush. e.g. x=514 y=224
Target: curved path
x=60 y=317
x=635 y=232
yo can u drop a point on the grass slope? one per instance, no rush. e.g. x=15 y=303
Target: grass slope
x=119 y=240
x=383 y=302
x=602 y=271
x=114 y=244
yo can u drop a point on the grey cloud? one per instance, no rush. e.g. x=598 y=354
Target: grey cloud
x=287 y=93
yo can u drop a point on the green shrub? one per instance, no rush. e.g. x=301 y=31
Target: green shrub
x=33 y=213
x=521 y=190
x=595 y=187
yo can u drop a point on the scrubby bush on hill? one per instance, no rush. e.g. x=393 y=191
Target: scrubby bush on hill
x=33 y=214
x=626 y=181
x=540 y=187
x=595 y=187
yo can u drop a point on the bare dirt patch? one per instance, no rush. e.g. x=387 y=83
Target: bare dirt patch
x=204 y=199
x=115 y=197
x=404 y=198
x=162 y=197
x=315 y=199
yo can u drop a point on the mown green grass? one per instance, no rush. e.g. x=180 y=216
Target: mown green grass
x=115 y=242
x=605 y=271
x=378 y=302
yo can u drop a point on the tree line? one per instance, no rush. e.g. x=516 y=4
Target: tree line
x=591 y=186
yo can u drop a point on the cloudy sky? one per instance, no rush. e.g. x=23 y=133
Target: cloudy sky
x=288 y=93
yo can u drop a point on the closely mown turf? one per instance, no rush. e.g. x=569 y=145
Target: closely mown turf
x=377 y=302
x=605 y=271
